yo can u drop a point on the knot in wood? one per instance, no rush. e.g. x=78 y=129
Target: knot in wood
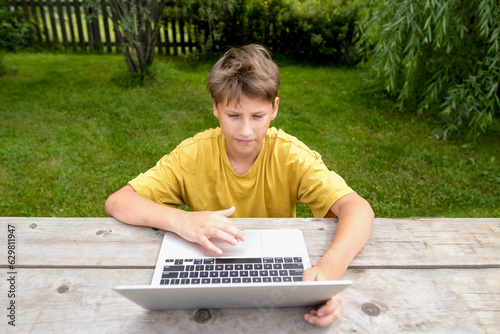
x=103 y=232
x=33 y=226
x=202 y=316
x=371 y=309
x=63 y=289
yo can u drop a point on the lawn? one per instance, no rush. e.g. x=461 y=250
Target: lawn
x=71 y=134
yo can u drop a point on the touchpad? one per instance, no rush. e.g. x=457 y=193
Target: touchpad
x=251 y=247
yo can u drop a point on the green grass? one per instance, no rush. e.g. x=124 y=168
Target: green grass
x=70 y=135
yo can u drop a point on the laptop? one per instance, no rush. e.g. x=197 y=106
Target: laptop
x=263 y=271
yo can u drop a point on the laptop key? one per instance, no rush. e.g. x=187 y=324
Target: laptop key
x=293 y=266
x=254 y=273
x=236 y=280
x=170 y=274
x=287 y=279
x=204 y=274
x=205 y=281
x=193 y=274
x=283 y=272
x=266 y=279
x=268 y=260
x=297 y=278
x=273 y=272
x=293 y=272
x=247 y=280
x=214 y=274
x=224 y=273
x=195 y=281
x=173 y=268
x=165 y=282
x=244 y=273
x=185 y=281
x=215 y=280
x=257 y=280
x=233 y=273
x=297 y=259
x=175 y=281
x=276 y=279
x=226 y=280
x=184 y=274
x=236 y=260
x=288 y=259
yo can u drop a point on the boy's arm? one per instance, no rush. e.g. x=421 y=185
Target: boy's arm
x=355 y=219
x=131 y=208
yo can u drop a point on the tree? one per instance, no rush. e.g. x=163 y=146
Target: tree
x=437 y=54
x=136 y=25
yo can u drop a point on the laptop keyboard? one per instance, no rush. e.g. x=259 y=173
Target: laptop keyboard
x=232 y=270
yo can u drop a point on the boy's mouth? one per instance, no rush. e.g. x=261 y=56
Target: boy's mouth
x=244 y=142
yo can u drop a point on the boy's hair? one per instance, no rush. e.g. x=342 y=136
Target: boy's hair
x=248 y=70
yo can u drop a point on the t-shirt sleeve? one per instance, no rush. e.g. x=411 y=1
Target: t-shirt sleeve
x=163 y=182
x=320 y=188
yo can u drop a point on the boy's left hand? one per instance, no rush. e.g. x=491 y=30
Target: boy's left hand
x=328 y=313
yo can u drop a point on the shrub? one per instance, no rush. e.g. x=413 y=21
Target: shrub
x=319 y=31
x=136 y=25
x=437 y=54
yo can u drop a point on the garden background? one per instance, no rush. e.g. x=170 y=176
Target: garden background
x=400 y=98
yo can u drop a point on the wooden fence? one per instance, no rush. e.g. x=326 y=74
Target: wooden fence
x=70 y=24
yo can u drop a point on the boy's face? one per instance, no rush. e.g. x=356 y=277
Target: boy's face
x=245 y=125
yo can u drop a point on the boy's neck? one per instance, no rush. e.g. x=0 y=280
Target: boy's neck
x=242 y=164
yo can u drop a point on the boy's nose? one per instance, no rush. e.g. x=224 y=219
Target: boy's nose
x=245 y=129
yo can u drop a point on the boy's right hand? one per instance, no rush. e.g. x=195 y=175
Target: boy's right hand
x=202 y=225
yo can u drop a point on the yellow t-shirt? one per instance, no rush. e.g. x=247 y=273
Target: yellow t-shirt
x=198 y=173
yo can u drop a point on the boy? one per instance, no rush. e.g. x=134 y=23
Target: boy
x=246 y=169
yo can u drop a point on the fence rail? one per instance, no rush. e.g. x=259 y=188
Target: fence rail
x=72 y=25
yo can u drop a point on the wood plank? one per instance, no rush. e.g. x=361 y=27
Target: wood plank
x=68 y=4
x=81 y=38
x=391 y=301
x=393 y=243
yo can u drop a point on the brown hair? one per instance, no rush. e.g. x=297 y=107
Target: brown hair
x=247 y=70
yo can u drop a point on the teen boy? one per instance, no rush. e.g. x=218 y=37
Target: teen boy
x=246 y=169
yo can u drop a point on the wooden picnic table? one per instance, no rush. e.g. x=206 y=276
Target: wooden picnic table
x=414 y=275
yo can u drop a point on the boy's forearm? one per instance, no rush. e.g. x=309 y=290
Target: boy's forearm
x=355 y=219
x=129 y=207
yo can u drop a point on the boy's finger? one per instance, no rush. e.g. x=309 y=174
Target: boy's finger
x=227 y=237
x=205 y=242
x=309 y=274
x=226 y=213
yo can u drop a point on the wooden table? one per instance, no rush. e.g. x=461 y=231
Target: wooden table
x=414 y=275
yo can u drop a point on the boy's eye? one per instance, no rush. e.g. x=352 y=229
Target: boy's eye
x=232 y=115
x=258 y=116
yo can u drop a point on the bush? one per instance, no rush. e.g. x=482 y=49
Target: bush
x=441 y=55
x=318 y=31
x=12 y=28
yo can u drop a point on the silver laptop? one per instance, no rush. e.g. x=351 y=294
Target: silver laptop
x=263 y=271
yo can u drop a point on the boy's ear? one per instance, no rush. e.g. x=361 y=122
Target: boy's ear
x=216 y=112
x=275 y=108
